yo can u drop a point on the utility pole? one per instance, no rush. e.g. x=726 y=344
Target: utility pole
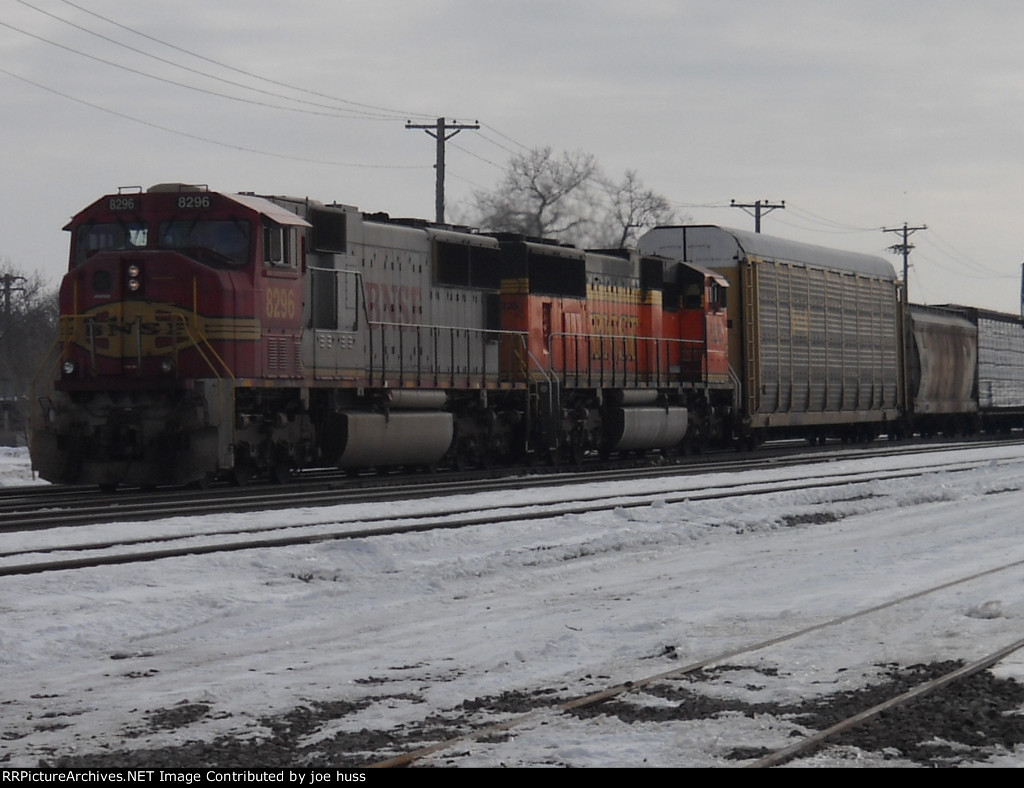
x=759 y=207
x=904 y=249
x=439 y=131
x=7 y=286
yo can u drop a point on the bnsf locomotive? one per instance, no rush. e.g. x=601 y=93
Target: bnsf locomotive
x=207 y=335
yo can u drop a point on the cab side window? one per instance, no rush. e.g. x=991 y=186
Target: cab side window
x=280 y=245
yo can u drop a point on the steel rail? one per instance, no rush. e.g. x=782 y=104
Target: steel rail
x=91 y=510
x=596 y=698
x=812 y=742
x=526 y=511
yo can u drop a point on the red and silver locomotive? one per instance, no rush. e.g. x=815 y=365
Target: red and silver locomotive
x=207 y=335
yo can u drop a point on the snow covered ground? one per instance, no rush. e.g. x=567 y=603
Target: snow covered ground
x=15 y=468
x=453 y=615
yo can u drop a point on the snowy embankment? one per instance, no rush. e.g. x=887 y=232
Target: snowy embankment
x=433 y=619
x=15 y=467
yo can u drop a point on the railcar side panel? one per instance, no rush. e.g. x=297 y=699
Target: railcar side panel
x=827 y=342
x=943 y=362
x=1000 y=363
x=999 y=384
x=814 y=337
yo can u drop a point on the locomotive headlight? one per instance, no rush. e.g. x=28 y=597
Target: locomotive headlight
x=134 y=285
x=134 y=280
x=134 y=271
x=167 y=366
x=68 y=367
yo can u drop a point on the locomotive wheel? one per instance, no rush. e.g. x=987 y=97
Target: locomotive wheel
x=280 y=473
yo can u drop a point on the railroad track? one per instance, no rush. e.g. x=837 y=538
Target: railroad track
x=590 y=626
x=28 y=508
x=52 y=556
x=598 y=702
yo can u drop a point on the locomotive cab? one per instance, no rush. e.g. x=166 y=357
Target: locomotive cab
x=167 y=308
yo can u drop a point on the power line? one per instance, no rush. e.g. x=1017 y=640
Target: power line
x=478 y=157
x=392 y=113
x=207 y=139
x=962 y=260
x=336 y=113
x=503 y=136
x=838 y=227
x=363 y=111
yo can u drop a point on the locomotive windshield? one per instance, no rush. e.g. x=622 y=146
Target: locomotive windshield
x=117 y=236
x=212 y=242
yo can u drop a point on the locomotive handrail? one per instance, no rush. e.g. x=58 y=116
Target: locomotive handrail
x=381 y=365
x=202 y=353
x=616 y=376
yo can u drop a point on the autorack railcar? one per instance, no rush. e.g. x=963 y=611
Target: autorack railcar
x=814 y=333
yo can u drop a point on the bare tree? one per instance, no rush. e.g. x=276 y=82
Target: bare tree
x=541 y=195
x=28 y=326
x=568 y=197
x=632 y=207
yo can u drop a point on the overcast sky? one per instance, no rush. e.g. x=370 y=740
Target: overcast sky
x=860 y=115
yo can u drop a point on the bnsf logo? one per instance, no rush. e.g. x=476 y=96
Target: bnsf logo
x=393 y=303
x=151 y=330
x=103 y=327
